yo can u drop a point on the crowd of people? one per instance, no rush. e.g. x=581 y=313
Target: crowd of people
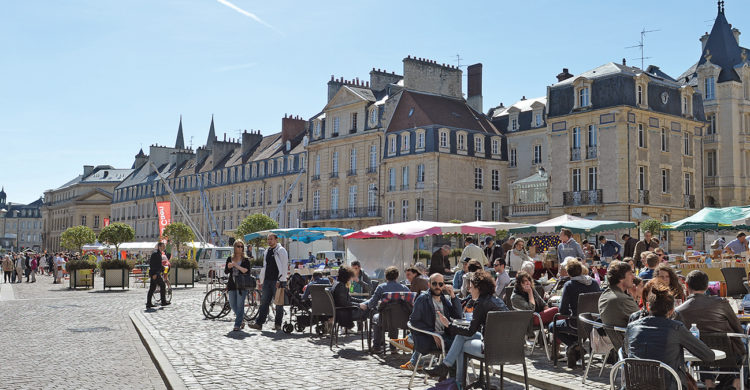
x=16 y=266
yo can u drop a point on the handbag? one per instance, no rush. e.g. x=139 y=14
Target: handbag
x=245 y=281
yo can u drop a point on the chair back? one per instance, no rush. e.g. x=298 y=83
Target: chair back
x=539 y=289
x=505 y=336
x=587 y=303
x=506 y=297
x=734 y=276
x=394 y=315
x=643 y=374
x=722 y=342
x=322 y=300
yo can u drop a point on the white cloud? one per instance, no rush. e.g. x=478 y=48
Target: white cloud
x=248 y=14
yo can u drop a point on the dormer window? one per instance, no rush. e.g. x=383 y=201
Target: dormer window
x=373 y=117
x=495 y=145
x=514 y=123
x=709 y=85
x=639 y=95
x=420 y=139
x=316 y=131
x=582 y=93
x=538 y=119
x=354 y=122
x=687 y=101
x=336 y=123
x=444 y=139
x=461 y=141
x=405 y=143
x=583 y=97
x=392 y=144
x=478 y=144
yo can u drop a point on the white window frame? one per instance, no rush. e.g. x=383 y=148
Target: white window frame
x=336 y=125
x=495 y=180
x=495 y=145
x=478 y=212
x=478 y=144
x=420 y=140
x=444 y=140
x=391 y=211
x=478 y=178
x=642 y=136
x=419 y=205
x=575 y=181
x=392 y=144
x=537 y=154
x=688 y=183
x=642 y=178
x=334 y=198
x=593 y=173
x=664 y=139
x=665 y=181
x=709 y=85
x=335 y=162
x=373 y=156
x=404 y=210
x=513 y=157
x=353 y=159
x=405 y=177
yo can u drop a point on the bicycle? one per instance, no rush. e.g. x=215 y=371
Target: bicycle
x=168 y=293
x=216 y=303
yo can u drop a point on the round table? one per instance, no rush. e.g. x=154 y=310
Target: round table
x=718 y=355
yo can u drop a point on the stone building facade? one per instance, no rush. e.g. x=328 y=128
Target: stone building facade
x=21 y=225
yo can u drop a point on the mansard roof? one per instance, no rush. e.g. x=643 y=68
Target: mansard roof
x=722 y=49
x=418 y=109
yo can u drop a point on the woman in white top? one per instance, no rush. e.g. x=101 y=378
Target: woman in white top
x=516 y=256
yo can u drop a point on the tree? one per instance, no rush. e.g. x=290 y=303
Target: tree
x=255 y=223
x=178 y=233
x=651 y=225
x=74 y=238
x=115 y=234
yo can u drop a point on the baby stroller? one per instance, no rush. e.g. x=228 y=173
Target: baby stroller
x=299 y=311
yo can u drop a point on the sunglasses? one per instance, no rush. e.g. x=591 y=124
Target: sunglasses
x=239 y=246
x=439 y=284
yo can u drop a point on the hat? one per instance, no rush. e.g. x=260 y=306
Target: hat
x=466 y=259
x=420 y=267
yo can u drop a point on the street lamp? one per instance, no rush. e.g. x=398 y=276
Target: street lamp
x=4 y=212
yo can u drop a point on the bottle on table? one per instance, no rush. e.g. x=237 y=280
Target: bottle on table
x=694 y=330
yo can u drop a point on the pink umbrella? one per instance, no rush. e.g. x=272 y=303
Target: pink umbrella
x=416 y=229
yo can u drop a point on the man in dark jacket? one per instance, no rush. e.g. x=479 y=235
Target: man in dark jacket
x=628 y=247
x=712 y=315
x=492 y=250
x=439 y=262
x=154 y=272
x=440 y=297
x=641 y=246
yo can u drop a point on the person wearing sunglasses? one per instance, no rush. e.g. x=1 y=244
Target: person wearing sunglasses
x=236 y=264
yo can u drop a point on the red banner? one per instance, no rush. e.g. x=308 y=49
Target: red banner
x=106 y=222
x=164 y=210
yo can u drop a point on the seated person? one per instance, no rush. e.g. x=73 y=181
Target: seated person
x=458 y=277
x=502 y=279
x=360 y=280
x=637 y=290
x=469 y=339
x=346 y=312
x=525 y=297
x=417 y=283
x=472 y=266
x=317 y=278
x=578 y=284
x=657 y=337
x=712 y=315
x=652 y=260
x=528 y=267
x=562 y=278
x=615 y=305
x=666 y=274
x=439 y=298
x=391 y=285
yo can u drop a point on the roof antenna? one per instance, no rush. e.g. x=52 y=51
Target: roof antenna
x=641 y=45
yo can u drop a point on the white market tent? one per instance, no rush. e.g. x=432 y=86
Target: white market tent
x=575 y=224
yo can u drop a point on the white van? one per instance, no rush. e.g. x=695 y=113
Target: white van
x=213 y=259
x=333 y=257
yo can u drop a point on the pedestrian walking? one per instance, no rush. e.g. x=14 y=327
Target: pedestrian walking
x=7 y=268
x=50 y=265
x=34 y=265
x=58 y=268
x=27 y=266
x=237 y=264
x=154 y=272
x=272 y=276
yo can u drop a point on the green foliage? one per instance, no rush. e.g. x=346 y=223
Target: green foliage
x=501 y=235
x=456 y=221
x=85 y=263
x=116 y=264
x=178 y=234
x=651 y=225
x=184 y=263
x=115 y=234
x=255 y=223
x=456 y=252
x=421 y=255
x=74 y=238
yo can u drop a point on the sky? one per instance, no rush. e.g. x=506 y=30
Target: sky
x=90 y=82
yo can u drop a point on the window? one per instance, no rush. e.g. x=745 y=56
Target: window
x=688 y=183
x=711 y=168
x=335 y=163
x=253 y=198
x=317 y=165
x=334 y=198
x=664 y=140
x=639 y=94
x=420 y=175
x=514 y=123
x=405 y=143
x=495 y=180
x=583 y=97
x=665 y=180
x=373 y=156
x=391 y=211
x=372 y=197
x=685 y=105
x=404 y=177
x=83 y=220
x=513 y=159
x=420 y=208
x=443 y=139
x=405 y=210
x=641 y=136
x=477 y=210
x=301 y=191
x=301 y=161
x=711 y=119
x=576 y=180
x=495 y=146
x=317 y=129
x=687 y=143
x=538 y=119
x=709 y=85
x=374 y=116
x=336 y=123
x=353 y=160
x=391 y=179
x=478 y=144
x=593 y=178
x=392 y=144
x=420 y=140
x=478 y=178
x=537 y=154
x=262 y=194
x=496 y=208
x=354 y=121
x=461 y=141
x=593 y=136
x=316 y=201
x=576 y=138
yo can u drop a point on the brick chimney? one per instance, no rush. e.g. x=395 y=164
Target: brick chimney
x=564 y=75
x=250 y=141
x=379 y=79
x=291 y=127
x=422 y=74
x=474 y=87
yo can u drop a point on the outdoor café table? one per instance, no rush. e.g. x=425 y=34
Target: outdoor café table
x=359 y=295
x=718 y=355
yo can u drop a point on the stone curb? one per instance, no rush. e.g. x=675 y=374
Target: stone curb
x=171 y=379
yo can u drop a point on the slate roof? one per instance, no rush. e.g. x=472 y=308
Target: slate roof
x=612 y=68
x=417 y=109
x=500 y=116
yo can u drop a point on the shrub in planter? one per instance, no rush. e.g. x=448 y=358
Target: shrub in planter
x=184 y=263
x=116 y=264
x=74 y=265
x=422 y=255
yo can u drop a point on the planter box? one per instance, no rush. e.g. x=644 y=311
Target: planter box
x=116 y=278
x=182 y=277
x=82 y=278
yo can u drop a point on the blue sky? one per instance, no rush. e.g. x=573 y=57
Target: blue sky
x=91 y=81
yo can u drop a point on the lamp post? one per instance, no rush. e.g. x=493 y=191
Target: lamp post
x=4 y=212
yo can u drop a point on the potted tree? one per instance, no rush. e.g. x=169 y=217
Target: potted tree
x=255 y=223
x=80 y=270
x=116 y=272
x=183 y=269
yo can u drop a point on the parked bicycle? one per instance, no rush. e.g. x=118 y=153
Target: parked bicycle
x=216 y=303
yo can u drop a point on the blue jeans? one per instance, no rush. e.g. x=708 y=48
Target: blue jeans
x=565 y=333
x=455 y=354
x=237 y=303
x=267 y=295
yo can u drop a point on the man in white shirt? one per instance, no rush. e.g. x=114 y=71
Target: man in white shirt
x=472 y=251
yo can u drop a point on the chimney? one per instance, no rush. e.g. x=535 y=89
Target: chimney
x=291 y=127
x=736 y=33
x=250 y=141
x=564 y=75
x=379 y=79
x=474 y=87
x=87 y=170
x=623 y=62
x=703 y=40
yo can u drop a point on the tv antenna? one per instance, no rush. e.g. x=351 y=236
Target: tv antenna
x=191 y=142
x=641 y=45
x=458 y=61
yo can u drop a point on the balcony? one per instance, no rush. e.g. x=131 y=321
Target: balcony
x=372 y=170
x=575 y=154
x=334 y=134
x=314 y=177
x=252 y=204
x=710 y=138
x=709 y=181
x=350 y=212
x=591 y=152
x=522 y=210
x=353 y=131
x=334 y=175
x=689 y=201
x=419 y=185
x=351 y=172
x=579 y=198
x=404 y=187
x=643 y=196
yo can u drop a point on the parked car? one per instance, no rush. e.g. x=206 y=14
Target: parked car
x=211 y=261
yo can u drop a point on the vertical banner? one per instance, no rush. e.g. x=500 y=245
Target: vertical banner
x=106 y=222
x=164 y=211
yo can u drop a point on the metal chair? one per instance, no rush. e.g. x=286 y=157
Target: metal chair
x=592 y=320
x=735 y=276
x=505 y=345
x=643 y=374
x=420 y=355
x=322 y=305
x=540 y=331
x=728 y=365
x=587 y=303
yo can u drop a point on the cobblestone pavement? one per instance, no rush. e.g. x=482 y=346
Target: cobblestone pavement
x=58 y=338
x=206 y=354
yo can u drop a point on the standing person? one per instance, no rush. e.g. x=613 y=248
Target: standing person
x=50 y=265
x=272 y=276
x=515 y=257
x=472 y=251
x=439 y=262
x=567 y=246
x=236 y=264
x=20 y=260
x=508 y=244
x=628 y=245
x=610 y=248
x=641 y=246
x=154 y=272
x=738 y=245
x=493 y=251
x=34 y=266
x=27 y=266
x=7 y=269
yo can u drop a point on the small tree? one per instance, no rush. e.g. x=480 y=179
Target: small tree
x=115 y=234
x=651 y=225
x=74 y=238
x=178 y=233
x=255 y=223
